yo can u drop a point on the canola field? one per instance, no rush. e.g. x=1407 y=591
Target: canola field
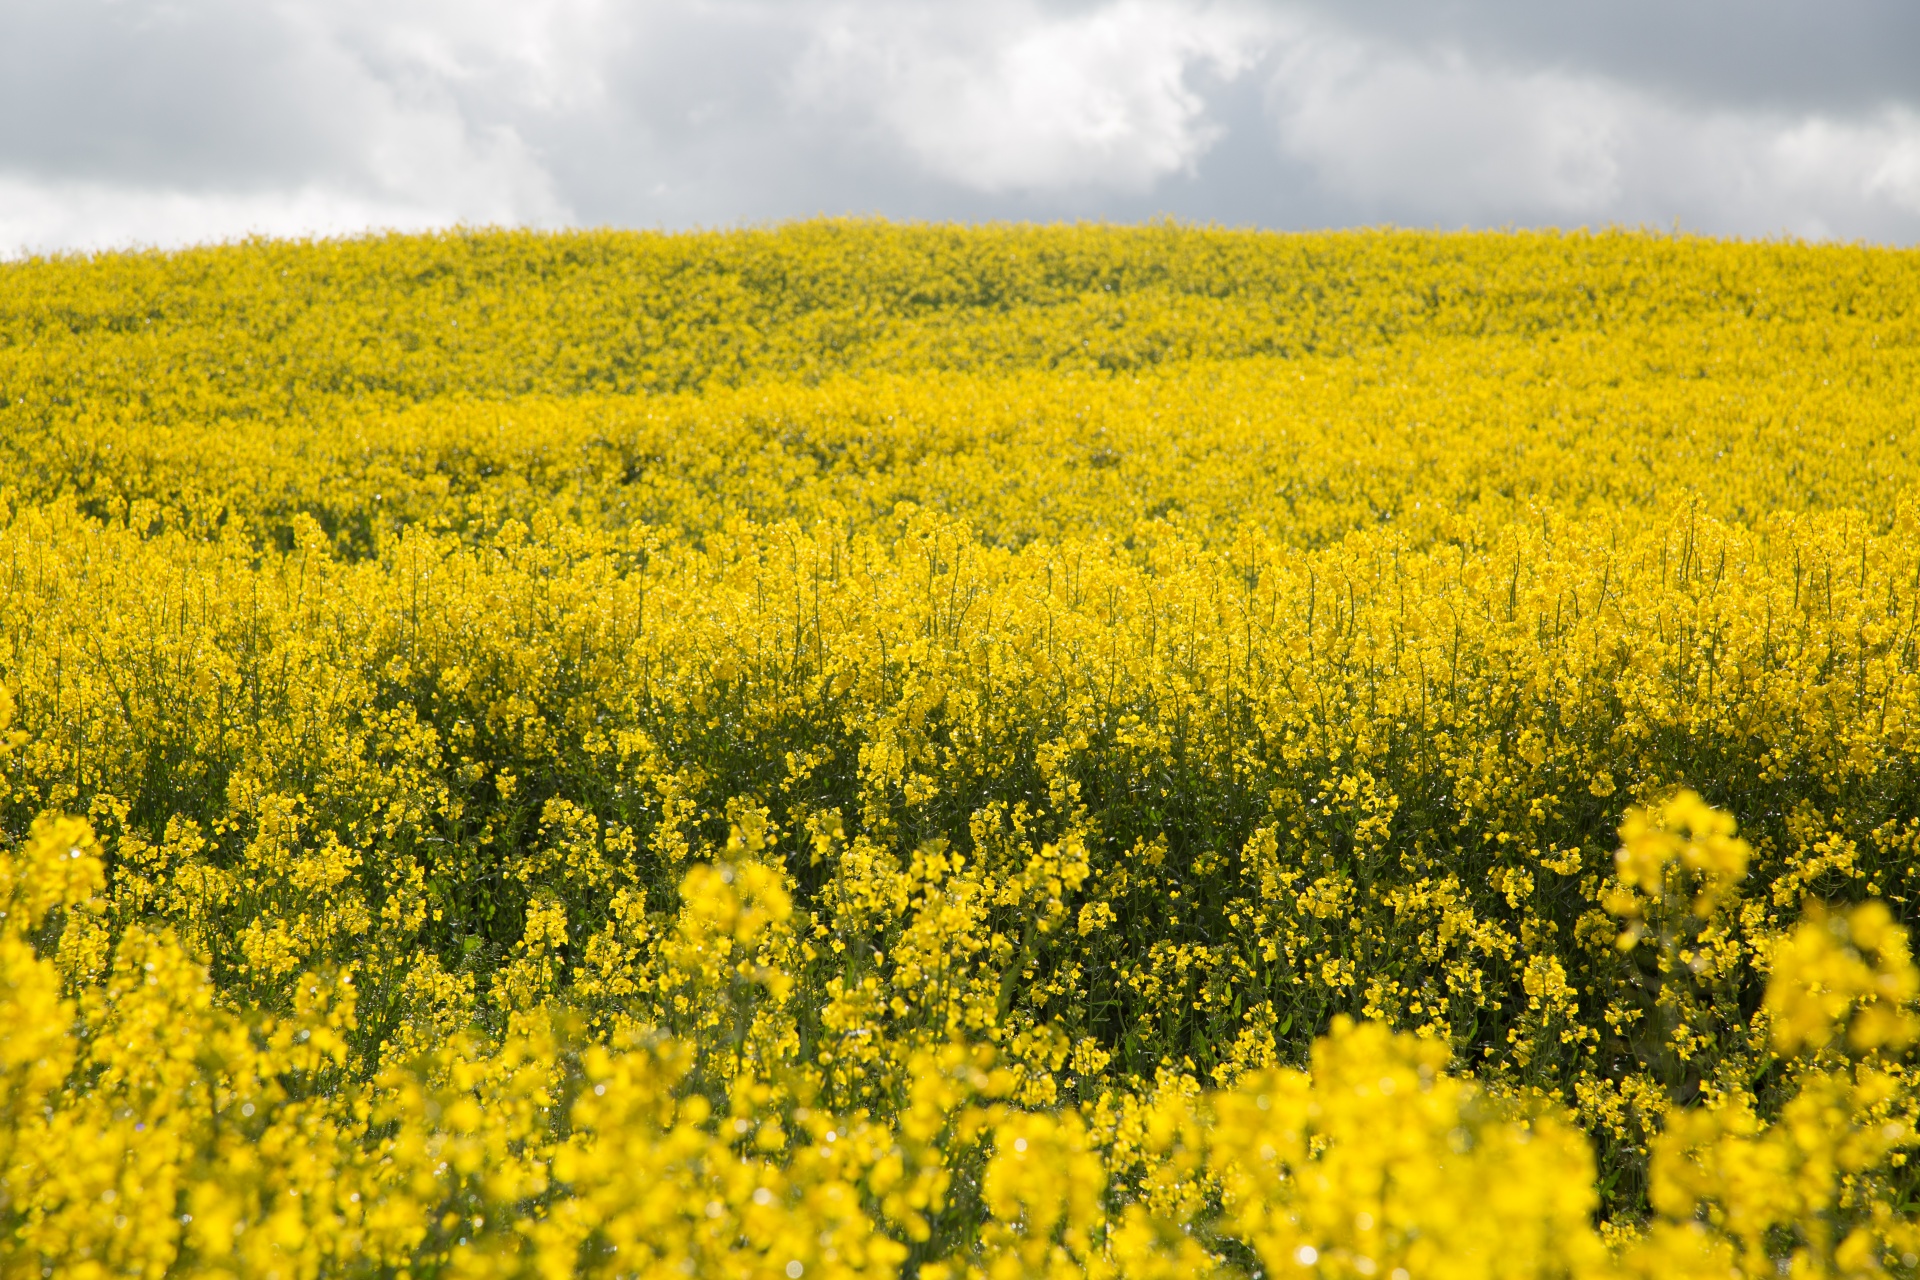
x=869 y=750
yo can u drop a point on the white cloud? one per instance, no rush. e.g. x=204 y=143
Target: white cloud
x=548 y=56
x=171 y=121
x=38 y=216
x=1823 y=154
x=424 y=171
x=367 y=99
x=1445 y=135
x=1898 y=174
x=1437 y=137
x=1012 y=98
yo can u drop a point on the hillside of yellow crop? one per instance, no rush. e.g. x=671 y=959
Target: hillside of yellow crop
x=855 y=749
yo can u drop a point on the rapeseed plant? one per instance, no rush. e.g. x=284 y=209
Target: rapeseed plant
x=879 y=750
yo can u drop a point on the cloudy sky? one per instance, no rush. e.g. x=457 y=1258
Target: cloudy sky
x=177 y=121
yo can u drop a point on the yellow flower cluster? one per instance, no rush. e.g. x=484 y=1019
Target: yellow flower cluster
x=868 y=750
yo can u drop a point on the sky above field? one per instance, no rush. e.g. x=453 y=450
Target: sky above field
x=177 y=121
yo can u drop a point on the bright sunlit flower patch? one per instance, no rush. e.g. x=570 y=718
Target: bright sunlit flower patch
x=866 y=750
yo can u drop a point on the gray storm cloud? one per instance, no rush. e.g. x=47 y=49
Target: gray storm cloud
x=142 y=122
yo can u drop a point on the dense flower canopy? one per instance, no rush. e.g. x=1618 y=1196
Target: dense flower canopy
x=864 y=749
